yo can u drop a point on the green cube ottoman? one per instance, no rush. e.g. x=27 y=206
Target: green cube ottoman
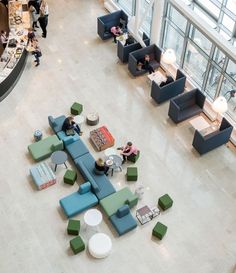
x=159 y=230
x=70 y=177
x=132 y=174
x=73 y=227
x=77 y=245
x=133 y=158
x=76 y=108
x=165 y=202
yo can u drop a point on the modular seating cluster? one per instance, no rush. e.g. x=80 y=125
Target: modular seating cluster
x=134 y=57
x=97 y=188
x=123 y=51
x=164 y=93
x=106 y=22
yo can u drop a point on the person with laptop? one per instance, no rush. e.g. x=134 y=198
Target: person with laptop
x=70 y=127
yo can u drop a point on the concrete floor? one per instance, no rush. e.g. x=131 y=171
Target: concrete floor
x=78 y=66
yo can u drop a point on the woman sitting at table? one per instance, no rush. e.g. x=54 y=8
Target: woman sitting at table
x=101 y=167
x=169 y=79
x=116 y=31
x=145 y=64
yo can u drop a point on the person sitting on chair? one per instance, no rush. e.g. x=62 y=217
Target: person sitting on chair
x=169 y=79
x=145 y=64
x=128 y=150
x=116 y=31
x=129 y=40
x=69 y=124
x=101 y=167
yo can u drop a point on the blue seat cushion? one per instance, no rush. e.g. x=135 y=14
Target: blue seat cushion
x=124 y=224
x=77 y=149
x=100 y=184
x=76 y=203
x=67 y=139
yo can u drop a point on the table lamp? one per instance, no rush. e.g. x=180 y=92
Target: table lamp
x=220 y=105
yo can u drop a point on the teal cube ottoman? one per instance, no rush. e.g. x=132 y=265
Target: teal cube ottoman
x=165 y=202
x=132 y=174
x=76 y=108
x=70 y=177
x=73 y=227
x=159 y=230
x=77 y=245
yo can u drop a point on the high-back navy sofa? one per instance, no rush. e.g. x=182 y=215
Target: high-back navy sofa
x=186 y=105
x=106 y=22
x=204 y=144
x=134 y=57
x=123 y=51
x=161 y=94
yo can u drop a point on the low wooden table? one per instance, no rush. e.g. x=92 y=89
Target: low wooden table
x=199 y=123
x=158 y=77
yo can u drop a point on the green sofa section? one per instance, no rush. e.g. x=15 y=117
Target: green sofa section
x=45 y=147
x=113 y=202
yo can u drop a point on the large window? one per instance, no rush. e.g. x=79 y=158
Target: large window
x=127 y=6
x=209 y=67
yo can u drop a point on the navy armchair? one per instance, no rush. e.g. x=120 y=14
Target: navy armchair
x=204 y=144
x=161 y=94
x=106 y=22
x=155 y=57
x=123 y=51
x=186 y=105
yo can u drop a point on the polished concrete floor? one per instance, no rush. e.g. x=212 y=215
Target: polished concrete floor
x=78 y=66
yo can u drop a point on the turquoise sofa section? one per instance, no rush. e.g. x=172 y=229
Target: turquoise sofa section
x=123 y=220
x=45 y=147
x=79 y=201
x=100 y=184
x=56 y=123
x=77 y=149
x=67 y=140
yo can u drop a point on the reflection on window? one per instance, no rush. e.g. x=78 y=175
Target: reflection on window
x=231 y=5
x=200 y=40
x=219 y=57
x=203 y=15
x=212 y=82
x=173 y=40
x=126 y=5
x=227 y=86
x=231 y=70
x=146 y=26
x=228 y=22
x=212 y=8
x=178 y=19
x=195 y=64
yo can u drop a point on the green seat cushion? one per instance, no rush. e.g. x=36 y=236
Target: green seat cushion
x=133 y=158
x=113 y=202
x=159 y=230
x=76 y=108
x=165 y=202
x=45 y=147
x=132 y=174
x=70 y=177
x=77 y=245
x=73 y=227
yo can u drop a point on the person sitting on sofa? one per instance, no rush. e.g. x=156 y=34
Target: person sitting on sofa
x=116 y=31
x=70 y=125
x=169 y=79
x=101 y=167
x=127 y=150
x=129 y=40
x=145 y=64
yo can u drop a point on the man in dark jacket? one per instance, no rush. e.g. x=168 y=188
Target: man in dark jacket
x=69 y=124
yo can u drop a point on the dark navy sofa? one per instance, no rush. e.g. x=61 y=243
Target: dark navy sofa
x=123 y=51
x=204 y=144
x=106 y=22
x=134 y=57
x=186 y=105
x=164 y=93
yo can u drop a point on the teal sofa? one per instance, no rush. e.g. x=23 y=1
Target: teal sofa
x=45 y=147
x=79 y=201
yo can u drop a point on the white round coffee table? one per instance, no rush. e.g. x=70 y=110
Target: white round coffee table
x=92 y=218
x=100 y=245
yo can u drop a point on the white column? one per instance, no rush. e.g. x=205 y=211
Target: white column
x=157 y=21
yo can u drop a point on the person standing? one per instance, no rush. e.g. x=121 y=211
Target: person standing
x=4 y=38
x=33 y=15
x=43 y=18
x=36 y=52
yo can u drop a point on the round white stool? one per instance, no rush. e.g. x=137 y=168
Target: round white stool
x=92 y=218
x=99 y=245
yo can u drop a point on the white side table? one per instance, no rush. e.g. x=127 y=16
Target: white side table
x=100 y=245
x=92 y=218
